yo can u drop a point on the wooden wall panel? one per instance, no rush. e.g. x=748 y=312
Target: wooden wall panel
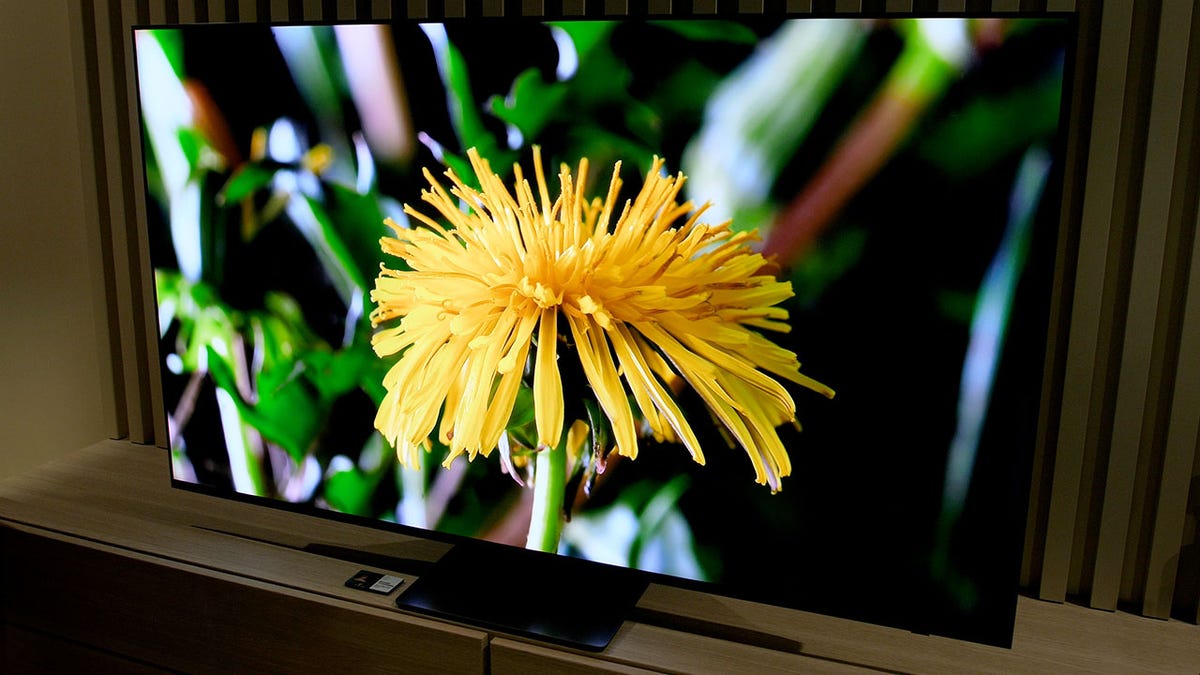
x=1080 y=102
x=280 y=10
x=111 y=108
x=187 y=11
x=1137 y=385
x=381 y=9
x=84 y=42
x=1171 y=557
x=1084 y=361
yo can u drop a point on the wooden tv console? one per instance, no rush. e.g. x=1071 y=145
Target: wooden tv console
x=106 y=568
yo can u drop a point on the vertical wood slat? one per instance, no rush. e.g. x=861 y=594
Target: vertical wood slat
x=1079 y=410
x=85 y=42
x=216 y=11
x=280 y=10
x=187 y=11
x=110 y=179
x=1180 y=459
x=247 y=11
x=312 y=10
x=381 y=9
x=1131 y=455
x=1177 y=181
x=1078 y=113
x=750 y=6
x=419 y=9
x=142 y=340
x=1107 y=396
x=1181 y=445
x=111 y=107
x=145 y=336
x=158 y=12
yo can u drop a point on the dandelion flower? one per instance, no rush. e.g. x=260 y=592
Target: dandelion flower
x=643 y=299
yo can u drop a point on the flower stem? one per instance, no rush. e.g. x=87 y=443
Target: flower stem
x=549 y=481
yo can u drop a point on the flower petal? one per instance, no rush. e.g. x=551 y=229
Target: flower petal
x=547 y=382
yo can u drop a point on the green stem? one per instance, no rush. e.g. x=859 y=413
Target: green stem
x=549 y=482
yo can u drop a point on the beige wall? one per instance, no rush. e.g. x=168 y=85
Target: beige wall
x=50 y=377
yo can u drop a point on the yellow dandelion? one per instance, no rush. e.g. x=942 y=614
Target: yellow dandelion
x=641 y=303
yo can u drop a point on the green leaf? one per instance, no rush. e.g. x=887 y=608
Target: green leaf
x=464 y=112
x=171 y=42
x=335 y=374
x=835 y=254
x=288 y=412
x=992 y=128
x=245 y=181
x=711 y=31
x=350 y=491
x=359 y=222
x=532 y=103
x=685 y=92
x=192 y=143
x=654 y=514
x=318 y=229
x=585 y=35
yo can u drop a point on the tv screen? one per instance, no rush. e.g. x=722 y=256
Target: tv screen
x=550 y=284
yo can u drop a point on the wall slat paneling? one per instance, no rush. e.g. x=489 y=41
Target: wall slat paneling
x=247 y=11
x=381 y=9
x=750 y=6
x=84 y=39
x=1117 y=463
x=158 y=11
x=103 y=109
x=1165 y=197
x=216 y=11
x=144 y=337
x=1179 y=302
x=312 y=10
x=187 y=11
x=1179 y=468
x=1107 y=396
x=280 y=10
x=1087 y=306
x=1080 y=103
x=1137 y=391
x=112 y=106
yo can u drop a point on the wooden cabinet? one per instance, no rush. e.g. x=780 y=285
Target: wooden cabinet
x=105 y=568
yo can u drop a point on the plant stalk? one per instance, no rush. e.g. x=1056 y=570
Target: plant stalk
x=549 y=482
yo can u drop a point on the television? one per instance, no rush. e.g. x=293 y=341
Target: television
x=540 y=287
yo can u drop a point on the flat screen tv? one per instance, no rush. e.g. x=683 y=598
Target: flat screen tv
x=542 y=288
